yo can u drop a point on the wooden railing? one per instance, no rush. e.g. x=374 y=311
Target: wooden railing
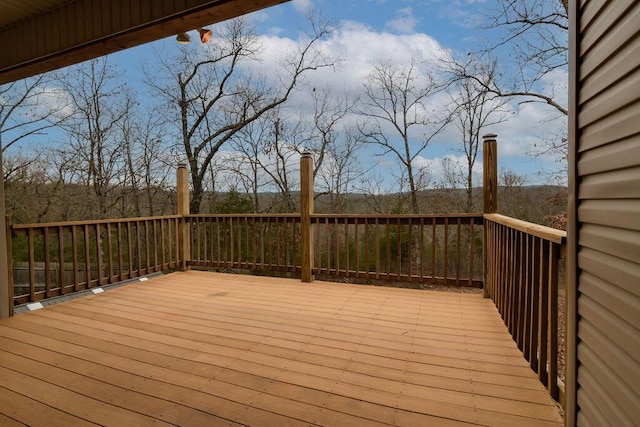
x=434 y=249
x=253 y=242
x=522 y=277
x=53 y=259
x=438 y=249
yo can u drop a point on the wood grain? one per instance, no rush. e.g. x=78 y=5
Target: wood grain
x=200 y=348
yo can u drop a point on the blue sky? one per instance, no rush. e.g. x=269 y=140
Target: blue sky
x=396 y=31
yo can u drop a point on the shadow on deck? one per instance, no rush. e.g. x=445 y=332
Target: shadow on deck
x=201 y=348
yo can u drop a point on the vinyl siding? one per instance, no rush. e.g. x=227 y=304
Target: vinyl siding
x=608 y=213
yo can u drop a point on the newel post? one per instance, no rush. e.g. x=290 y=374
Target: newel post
x=184 y=236
x=306 y=210
x=490 y=191
x=490 y=173
x=6 y=301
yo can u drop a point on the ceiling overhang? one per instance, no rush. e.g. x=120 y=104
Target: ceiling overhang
x=77 y=30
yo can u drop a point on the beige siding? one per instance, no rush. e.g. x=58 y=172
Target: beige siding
x=607 y=155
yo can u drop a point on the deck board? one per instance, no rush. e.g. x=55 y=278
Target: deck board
x=200 y=348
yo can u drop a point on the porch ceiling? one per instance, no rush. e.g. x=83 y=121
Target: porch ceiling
x=13 y=11
x=42 y=35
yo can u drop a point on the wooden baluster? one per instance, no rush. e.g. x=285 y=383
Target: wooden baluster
x=47 y=266
x=61 y=259
x=357 y=248
x=512 y=262
x=471 y=251
x=421 y=255
x=388 y=264
x=535 y=301
x=8 y=309
x=154 y=233
x=366 y=248
x=32 y=265
x=410 y=249
x=544 y=311
x=433 y=251
x=458 y=250
x=120 y=275
x=99 y=254
x=246 y=243
x=87 y=256
x=147 y=247
x=130 y=249
x=528 y=296
x=139 y=241
x=337 y=246
x=239 y=240
x=445 y=273
x=377 y=224
x=521 y=293
x=74 y=249
x=554 y=256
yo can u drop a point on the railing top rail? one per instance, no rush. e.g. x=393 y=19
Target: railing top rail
x=245 y=215
x=399 y=216
x=92 y=222
x=547 y=233
x=329 y=215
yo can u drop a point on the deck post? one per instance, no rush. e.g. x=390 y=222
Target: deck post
x=490 y=192
x=6 y=306
x=184 y=237
x=306 y=210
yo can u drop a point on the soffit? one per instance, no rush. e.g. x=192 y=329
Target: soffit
x=43 y=35
x=15 y=11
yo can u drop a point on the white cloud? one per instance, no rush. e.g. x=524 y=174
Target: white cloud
x=303 y=6
x=459 y=13
x=404 y=22
x=359 y=47
x=261 y=15
x=556 y=85
x=436 y=168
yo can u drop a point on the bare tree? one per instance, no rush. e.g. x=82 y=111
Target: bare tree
x=398 y=118
x=29 y=108
x=30 y=191
x=100 y=102
x=531 y=39
x=264 y=158
x=333 y=146
x=280 y=152
x=341 y=169
x=215 y=96
x=512 y=200
x=534 y=33
x=474 y=109
x=146 y=164
x=249 y=144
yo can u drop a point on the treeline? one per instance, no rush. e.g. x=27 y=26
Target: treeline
x=35 y=202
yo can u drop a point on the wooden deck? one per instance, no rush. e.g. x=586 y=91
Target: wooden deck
x=200 y=348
